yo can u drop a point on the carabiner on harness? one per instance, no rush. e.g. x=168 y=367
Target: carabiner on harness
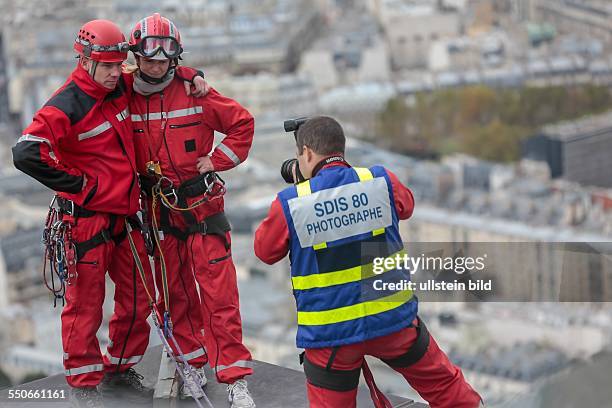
x=175 y=199
x=167 y=324
x=59 y=253
x=215 y=185
x=161 y=188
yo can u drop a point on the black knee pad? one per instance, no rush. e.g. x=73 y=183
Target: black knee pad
x=335 y=380
x=415 y=352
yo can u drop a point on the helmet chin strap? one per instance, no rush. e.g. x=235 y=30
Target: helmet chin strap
x=93 y=67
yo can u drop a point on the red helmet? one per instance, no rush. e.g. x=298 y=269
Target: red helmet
x=156 y=37
x=102 y=41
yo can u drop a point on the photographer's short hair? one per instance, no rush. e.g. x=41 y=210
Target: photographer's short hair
x=322 y=134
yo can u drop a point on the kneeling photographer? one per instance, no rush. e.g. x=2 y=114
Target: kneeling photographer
x=340 y=317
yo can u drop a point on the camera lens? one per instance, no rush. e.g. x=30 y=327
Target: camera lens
x=287 y=170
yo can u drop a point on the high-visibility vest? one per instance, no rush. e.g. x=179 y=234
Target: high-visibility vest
x=341 y=223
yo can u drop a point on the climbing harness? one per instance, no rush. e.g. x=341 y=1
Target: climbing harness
x=210 y=185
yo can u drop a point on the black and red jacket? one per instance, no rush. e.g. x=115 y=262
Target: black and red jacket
x=84 y=130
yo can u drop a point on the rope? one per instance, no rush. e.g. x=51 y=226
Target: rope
x=161 y=255
x=182 y=366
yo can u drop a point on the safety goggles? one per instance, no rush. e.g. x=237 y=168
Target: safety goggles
x=151 y=45
x=89 y=48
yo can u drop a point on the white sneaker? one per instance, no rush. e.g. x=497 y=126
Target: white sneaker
x=238 y=395
x=203 y=380
x=191 y=387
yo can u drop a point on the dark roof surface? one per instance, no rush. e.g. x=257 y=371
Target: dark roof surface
x=271 y=387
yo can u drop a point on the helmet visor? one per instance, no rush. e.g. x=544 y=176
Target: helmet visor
x=150 y=46
x=88 y=47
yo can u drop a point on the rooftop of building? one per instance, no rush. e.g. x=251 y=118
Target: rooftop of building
x=576 y=129
x=524 y=362
x=271 y=386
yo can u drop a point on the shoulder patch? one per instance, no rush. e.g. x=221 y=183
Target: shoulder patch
x=73 y=101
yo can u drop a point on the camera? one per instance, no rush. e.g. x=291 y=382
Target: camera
x=292 y=125
x=287 y=169
x=290 y=166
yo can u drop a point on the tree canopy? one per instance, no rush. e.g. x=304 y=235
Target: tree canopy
x=485 y=122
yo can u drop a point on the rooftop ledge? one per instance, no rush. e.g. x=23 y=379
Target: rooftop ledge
x=271 y=387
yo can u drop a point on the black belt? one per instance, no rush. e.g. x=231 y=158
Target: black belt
x=68 y=207
x=100 y=238
x=194 y=187
x=105 y=236
x=216 y=224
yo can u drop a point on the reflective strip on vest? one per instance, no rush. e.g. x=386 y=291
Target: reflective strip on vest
x=303 y=189
x=84 y=369
x=116 y=360
x=229 y=153
x=239 y=363
x=346 y=313
x=194 y=354
x=365 y=207
x=95 y=131
x=179 y=113
x=123 y=115
x=32 y=138
x=355 y=274
x=378 y=232
x=363 y=173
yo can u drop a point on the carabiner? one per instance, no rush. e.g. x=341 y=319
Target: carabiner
x=174 y=202
x=167 y=324
x=160 y=183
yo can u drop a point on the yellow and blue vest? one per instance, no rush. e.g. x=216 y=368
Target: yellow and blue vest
x=339 y=222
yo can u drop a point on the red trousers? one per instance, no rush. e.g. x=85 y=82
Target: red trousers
x=82 y=315
x=206 y=314
x=434 y=377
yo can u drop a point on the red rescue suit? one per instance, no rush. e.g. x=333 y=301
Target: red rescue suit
x=433 y=376
x=173 y=129
x=85 y=131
